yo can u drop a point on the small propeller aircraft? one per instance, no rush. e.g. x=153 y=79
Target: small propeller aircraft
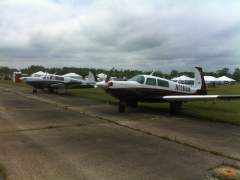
x=58 y=84
x=149 y=88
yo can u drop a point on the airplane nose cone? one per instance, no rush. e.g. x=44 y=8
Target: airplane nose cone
x=22 y=78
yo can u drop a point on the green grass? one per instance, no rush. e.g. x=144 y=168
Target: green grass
x=8 y=82
x=221 y=111
x=96 y=94
x=225 y=89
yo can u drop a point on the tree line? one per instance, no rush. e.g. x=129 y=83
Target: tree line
x=6 y=71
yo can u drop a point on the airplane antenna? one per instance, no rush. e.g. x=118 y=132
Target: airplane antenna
x=152 y=73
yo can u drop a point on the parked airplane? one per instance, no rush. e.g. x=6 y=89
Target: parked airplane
x=56 y=83
x=148 y=88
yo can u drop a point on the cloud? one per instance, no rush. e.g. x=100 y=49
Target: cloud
x=137 y=34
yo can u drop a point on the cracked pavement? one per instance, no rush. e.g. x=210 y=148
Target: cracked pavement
x=61 y=137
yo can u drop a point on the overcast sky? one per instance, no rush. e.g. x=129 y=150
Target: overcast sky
x=135 y=34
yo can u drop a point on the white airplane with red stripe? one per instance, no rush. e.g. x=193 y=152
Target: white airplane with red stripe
x=148 y=88
x=57 y=83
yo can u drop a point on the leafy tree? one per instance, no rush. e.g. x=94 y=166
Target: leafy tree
x=5 y=71
x=189 y=74
x=174 y=73
x=214 y=74
x=33 y=69
x=236 y=74
x=115 y=72
x=223 y=72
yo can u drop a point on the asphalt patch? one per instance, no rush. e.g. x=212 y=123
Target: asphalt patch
x=224 y=172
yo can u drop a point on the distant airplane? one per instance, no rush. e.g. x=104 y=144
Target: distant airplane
x=58 y=84
x=148 y=88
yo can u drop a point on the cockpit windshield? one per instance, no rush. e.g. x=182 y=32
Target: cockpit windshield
x=139 y=78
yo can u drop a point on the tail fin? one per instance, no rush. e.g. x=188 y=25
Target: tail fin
x=199 y=82
x=91 y=77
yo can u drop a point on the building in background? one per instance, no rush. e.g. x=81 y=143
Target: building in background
x=16 y=77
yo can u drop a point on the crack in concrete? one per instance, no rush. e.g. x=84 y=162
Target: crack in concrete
x=48 y=128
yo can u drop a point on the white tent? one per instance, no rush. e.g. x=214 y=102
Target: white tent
x=73 y=75
x=182 y=78
x=39 y=73
x=102 y=76
x=225 y=79
x=210 y=79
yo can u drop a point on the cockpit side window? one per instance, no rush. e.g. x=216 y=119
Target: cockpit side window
x=138 y=78
x=151 y=82
x=58 y=78
x=163 y=83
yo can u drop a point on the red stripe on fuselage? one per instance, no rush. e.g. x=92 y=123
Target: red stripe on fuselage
x=143 y=94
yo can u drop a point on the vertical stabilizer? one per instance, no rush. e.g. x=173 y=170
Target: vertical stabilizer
x=91 y=77
x=199 y=82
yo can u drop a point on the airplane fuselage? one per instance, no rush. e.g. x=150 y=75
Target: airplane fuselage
x=40 y=83
x=55 y=82
x=147 y=88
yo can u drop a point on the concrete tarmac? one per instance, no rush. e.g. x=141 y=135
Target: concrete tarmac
x=59 y=137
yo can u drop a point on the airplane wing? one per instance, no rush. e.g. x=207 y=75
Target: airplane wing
x=200 y=97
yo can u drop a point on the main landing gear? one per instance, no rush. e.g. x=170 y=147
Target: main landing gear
x=59 y=90
x=34 y=91
x=122 y=105
x=51 y=90
x=175 y=107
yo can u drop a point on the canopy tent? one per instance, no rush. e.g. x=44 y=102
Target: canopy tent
x=73 y=75
x=225 y=79
x=39 y=73
x=220 y=80
x=210 y=79
x=102 y=76
x=182 y=78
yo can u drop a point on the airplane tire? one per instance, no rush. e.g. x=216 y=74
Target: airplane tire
x=50 y=90
x=34 y=91
x=121 y=107
x=60 y=90
x=133 y=104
